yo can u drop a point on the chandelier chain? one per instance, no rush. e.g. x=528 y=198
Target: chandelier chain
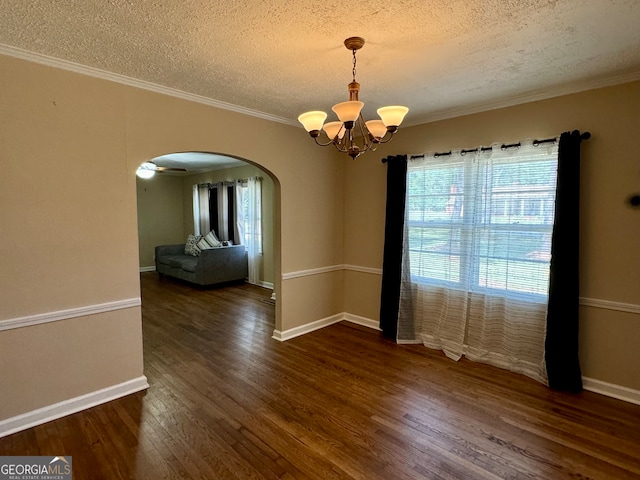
x=354 y=65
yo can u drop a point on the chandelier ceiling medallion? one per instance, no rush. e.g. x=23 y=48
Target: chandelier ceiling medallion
x=351 y=128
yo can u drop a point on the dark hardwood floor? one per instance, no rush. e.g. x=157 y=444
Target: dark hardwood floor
x=228 y=402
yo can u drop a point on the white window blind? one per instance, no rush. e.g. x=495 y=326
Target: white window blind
x=482 y=221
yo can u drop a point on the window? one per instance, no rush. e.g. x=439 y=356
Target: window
x=482 y=222
x=251 y=214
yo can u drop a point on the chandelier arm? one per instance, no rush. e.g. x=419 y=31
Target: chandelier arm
x=388 y=139
x=323 y=144
x=339 y=147
x=366 y=135
x=340 y=144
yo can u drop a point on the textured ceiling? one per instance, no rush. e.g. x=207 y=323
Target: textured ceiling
x=282 y=57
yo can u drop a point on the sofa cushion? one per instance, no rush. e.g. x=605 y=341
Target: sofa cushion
x=189 y=264
x=175 y=261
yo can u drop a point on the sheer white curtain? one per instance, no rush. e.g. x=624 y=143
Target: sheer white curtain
x=201 y=217
x=254 y=227
x=238 y=208
x=478 y=228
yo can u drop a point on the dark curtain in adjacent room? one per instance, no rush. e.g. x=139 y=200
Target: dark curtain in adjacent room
x=213 y=211
x=561 y=343
x=231 y=214
x=393 y=239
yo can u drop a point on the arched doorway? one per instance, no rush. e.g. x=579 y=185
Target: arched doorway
x=165 y=204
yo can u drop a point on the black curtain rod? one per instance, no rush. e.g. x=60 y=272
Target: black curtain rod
x=511 y=145
x=487 y=149
x=441 y=154
x=482 y=149
x=583 y=136
x=540 y=142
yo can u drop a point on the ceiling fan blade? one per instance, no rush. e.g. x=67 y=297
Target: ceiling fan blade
x=169 y=169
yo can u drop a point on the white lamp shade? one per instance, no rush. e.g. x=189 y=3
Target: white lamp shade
x=377 y=128
x=334 y=128
x=392 y=116
x=348 y=111
x=312 y=120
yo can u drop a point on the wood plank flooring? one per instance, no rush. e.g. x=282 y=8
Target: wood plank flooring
x=229 y=402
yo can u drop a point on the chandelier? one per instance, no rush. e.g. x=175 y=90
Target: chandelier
x=351 y=134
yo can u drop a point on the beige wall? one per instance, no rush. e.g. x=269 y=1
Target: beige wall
x=69 y=148
x=610 y=229
x=160 y=215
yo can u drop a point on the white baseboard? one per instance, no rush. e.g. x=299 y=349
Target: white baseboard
x=73 y=405
x=363 y=321
x=324 y=322
x=308 y=328
x=611 y=390
x=152 y=268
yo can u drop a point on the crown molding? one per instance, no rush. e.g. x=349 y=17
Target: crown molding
x=529 y=97
x=132 y=82
x=535 y=96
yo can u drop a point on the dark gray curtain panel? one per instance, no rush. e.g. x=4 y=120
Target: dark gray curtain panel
x=561 y=343
x=393 y=240
x=231 y=214
x=213 y=211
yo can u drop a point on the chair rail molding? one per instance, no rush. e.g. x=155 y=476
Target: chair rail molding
x=40 y=318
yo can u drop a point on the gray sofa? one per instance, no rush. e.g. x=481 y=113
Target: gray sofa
x=215 y=265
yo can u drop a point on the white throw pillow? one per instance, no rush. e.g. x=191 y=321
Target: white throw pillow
x=203 y=244
x=212 y=240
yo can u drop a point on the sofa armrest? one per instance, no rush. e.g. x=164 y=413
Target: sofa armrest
x=225 y=263
x=176 y=249
x=212 y=257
